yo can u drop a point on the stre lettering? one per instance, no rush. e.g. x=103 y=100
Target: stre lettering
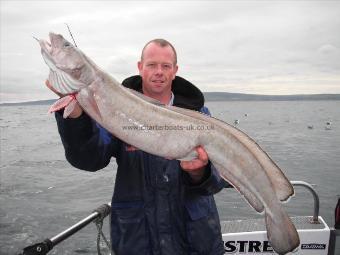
x=247 y=246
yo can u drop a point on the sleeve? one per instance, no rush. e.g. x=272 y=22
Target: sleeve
x=87 y=145
x=211 y=183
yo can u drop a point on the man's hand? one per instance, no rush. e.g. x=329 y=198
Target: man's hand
x=196 y=167
x=77 y=109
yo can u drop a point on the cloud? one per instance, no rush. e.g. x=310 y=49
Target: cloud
x=246 y=46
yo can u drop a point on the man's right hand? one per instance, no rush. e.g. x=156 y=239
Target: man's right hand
x=77 y=109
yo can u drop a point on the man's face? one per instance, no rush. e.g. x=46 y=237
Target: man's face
x=157 y=69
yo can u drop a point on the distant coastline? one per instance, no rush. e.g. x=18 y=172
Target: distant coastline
x=39 y=102
x=223 y=96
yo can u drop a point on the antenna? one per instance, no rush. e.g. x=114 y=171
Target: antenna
x=69 y=30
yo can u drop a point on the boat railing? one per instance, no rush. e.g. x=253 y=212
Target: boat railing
x=315 y=219
x=44 y=247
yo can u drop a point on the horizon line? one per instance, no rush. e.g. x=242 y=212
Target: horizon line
x=219 y=92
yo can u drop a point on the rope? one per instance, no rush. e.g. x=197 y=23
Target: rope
x=99 y=224
x=103 y=211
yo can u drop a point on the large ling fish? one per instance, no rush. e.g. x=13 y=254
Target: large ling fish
x=238 y=159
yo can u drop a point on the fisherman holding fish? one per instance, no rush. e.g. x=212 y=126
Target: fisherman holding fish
x=159 y=205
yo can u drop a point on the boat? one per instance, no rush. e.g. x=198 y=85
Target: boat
x=250 y=237
x=247 y=236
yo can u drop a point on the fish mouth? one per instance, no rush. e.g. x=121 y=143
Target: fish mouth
x=47 y=49
x=46 y=46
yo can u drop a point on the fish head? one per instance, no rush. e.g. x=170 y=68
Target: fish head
x=69 y=69
x=65 y=54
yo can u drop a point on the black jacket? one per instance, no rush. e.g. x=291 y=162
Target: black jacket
x=155 y=207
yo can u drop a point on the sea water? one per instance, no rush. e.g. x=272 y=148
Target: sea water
x=41 y=194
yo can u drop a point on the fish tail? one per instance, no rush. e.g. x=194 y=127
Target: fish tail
x=281 y=232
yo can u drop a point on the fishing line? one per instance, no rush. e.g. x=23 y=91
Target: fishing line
x=69 y=30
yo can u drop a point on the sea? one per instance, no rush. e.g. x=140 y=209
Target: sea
x=41 y=194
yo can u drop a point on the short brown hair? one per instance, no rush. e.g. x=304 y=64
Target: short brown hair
x=162 y=43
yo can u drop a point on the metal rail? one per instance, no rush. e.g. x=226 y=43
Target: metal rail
x=315 y=219
x=44 y=247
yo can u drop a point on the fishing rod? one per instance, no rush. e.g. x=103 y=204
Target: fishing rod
x=69 y=30
x=47 y=245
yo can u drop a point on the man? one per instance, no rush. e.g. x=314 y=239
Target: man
x=159 y=206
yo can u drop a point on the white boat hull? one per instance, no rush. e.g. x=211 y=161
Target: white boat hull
x=250 y=237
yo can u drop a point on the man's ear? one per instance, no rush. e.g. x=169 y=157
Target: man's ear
x=175 y=71
x=140 y=66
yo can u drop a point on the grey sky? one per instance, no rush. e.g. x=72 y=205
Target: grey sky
x=262 y=47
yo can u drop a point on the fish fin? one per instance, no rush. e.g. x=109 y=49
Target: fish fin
x=145 y=98
x=61 y=103
x=88 y=102
x=241 y=188
x=69 y=108
x=281 y=232
x=190 y=113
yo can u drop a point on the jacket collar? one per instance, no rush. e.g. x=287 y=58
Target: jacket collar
x=186 y=94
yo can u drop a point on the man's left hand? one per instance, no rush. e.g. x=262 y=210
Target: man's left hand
x=196 y=167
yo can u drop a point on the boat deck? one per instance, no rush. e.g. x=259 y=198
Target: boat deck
x=250 y=225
